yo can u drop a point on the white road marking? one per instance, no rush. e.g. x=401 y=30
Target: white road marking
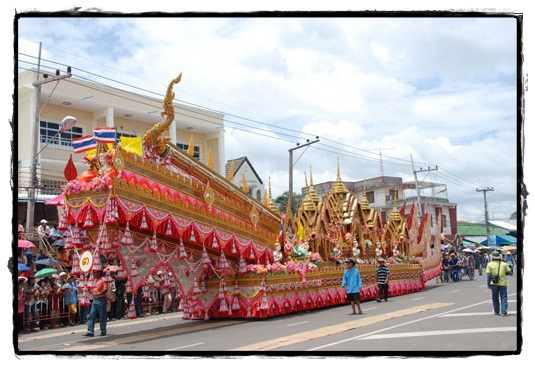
x=188 y=346
x=395 y=326
x=475 y=314
x=291 y=325
x=440 y=333
x=418 y=298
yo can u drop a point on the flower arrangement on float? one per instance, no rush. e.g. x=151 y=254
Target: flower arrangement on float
x=301 y=250
x=316 y=258
x=96 y=184
x=279 y=268
x=336 y=255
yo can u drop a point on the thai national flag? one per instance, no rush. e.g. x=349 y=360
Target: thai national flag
x=85 y=143
x=105 y=134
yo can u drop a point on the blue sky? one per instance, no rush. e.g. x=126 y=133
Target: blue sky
x=440 y=89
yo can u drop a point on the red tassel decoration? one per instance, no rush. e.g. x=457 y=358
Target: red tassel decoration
x=97 y=265
x=214 y=240
x=131 y=310
x=242 y=265
x=154 y=242
x=88 y=218
x=146 y=292
x=205 y=257
x=133 y=269
x=192 y=236
x=168 y=231
x=181 y=250
x=75 y=265
x=143 y=224
x=127 y=236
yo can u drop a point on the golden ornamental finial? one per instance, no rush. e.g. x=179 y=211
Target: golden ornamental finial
x=339 y=186
x=244 y=185
x=210 y=159
x=364 y=203
x=153 y=138
x=272 y=206
x=230 y=174
x=191 y=149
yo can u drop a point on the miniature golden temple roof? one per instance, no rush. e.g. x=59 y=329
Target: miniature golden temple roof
x=394 y=215
x=270 y=204
x=364 y=202
x=338 y=186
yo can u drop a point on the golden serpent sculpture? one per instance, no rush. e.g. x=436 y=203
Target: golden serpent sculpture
x=153 y=138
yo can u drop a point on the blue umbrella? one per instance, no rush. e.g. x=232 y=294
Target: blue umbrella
x=23 y=267
x=47 y=262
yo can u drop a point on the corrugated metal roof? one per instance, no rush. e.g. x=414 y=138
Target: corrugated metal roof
x=503 y=225
x=475 y=229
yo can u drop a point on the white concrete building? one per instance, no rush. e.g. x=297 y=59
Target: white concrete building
x=95 y=105
x=244 y=168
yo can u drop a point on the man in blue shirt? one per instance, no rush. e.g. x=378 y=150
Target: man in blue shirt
x=352 y=282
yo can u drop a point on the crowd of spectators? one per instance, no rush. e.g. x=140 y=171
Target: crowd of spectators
x=63 y=299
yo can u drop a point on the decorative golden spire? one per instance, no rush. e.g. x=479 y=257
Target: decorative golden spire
x=307 y=202
x=265 y=198
x=394 y=215
x=364 y=202
x=312 y=192
x=210 y=159
x=191 y=149
x=270 y=204
x=244 y=185
x=230 y=174
x=339 y=186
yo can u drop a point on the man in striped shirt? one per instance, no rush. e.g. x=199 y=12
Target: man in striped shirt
x=382 y=280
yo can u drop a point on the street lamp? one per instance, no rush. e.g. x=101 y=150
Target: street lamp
x=66 y=125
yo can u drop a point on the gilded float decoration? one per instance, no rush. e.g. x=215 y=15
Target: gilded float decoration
x=164 y=216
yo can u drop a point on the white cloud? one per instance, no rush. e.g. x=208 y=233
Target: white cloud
x=441 y=90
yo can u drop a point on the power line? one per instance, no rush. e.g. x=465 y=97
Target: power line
x=267 y=130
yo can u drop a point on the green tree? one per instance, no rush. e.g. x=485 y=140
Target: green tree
x=282 y=201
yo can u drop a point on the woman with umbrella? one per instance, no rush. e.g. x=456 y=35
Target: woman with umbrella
x=22 y=257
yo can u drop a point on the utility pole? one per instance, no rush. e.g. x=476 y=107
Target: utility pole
x=485 y=190
x=418 y=186
x=30 y=210
x=291 y=171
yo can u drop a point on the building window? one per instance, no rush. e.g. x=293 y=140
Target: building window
x=444 y=221
x=196 y=149
x=370 y=196
x=51 y=187
x=48 y=130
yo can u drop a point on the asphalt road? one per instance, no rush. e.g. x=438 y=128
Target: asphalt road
x=447 y=319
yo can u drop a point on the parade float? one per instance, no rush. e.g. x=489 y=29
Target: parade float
x=223 y=253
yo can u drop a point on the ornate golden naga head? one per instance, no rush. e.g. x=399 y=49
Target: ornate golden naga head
x=153 y=138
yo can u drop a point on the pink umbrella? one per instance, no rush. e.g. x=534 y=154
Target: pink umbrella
x=56 y=201
x=26 y=244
